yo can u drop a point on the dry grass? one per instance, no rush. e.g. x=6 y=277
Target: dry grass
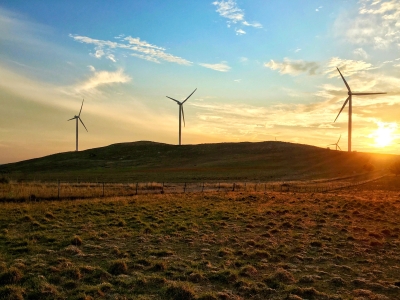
x=243 y=245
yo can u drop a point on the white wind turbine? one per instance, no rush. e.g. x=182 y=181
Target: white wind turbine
x=349 y=99
x=181 y=113
x=336 y=144
x=78 y=117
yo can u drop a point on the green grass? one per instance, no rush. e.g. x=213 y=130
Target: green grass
x=148 y=162
x=338 y=245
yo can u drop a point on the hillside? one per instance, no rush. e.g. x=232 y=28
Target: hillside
x=150 y=161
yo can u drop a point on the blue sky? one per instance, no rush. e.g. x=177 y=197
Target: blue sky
x=263 y=70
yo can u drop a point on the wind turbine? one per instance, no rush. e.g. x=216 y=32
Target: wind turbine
x=349 y=99
x=181 y=113
x=337 y=144
x=78 y=117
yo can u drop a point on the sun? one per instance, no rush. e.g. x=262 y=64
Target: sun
x=384 y=135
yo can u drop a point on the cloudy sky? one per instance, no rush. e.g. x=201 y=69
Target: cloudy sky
x=263 y=70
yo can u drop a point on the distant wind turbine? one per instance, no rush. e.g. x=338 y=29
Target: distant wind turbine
x=349 y=99
x=78 y=117
x=337 y=144
x=181 y=113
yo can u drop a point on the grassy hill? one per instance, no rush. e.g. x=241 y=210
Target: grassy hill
x=149 y=161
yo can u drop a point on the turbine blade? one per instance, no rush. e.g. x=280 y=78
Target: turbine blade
x=339 y=147
x=173 y=99
x=83 y=124
x=71 y=119
x=338 y=139
x=183 y=116
x=362 y=94
x=189 y=96
x=81 y=108
x=345 y=102
x=344 y=80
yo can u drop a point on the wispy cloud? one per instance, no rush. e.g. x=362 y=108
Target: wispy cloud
x=240 y=32
x=348 y=66
x=361 y=53
x=102 y=78
x=228 y=9
x=221 y=67
x=376 y=24
x=134 y=46
x=293 y=67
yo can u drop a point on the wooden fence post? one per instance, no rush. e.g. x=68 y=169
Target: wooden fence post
x=184 y=188
x=137 y=183
x=233 y=187
x=58 y=196
x=163 y=187
x=219 y=186
x=255 y=188
x=202 y=189
x=103 y=188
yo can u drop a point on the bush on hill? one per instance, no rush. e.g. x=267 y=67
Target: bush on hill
x=395 y=168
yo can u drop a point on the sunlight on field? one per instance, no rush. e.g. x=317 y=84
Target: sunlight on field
x=227 y=245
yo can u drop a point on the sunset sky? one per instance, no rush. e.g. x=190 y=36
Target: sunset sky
x=263 y=70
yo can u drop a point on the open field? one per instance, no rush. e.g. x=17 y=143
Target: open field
x=244 y=245
x=39 y=191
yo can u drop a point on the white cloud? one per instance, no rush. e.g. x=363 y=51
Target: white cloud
x=228 y=9
x=377 y=23
x=255 y=24
x=111 y=57
x=99 y=54
x=361 y=52
x=348 y=66
x=293 y=67
x=102 y=78
x=221 y=67
x=135 y=46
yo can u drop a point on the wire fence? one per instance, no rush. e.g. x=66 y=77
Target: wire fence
x=36 y=191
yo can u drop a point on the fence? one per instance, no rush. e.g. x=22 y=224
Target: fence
x=67 y=190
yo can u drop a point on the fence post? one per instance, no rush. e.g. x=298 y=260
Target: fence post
x=58 y=196
x=233 y=187
x=255 y=188
x=219 y=186
x=184 y=188
x=163 y=187
x=202 y=189
x=265 y=187
x=103 y=188
x=137 y=183
x=245 y=188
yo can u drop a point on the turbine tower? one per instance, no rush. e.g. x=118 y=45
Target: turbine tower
x=349 y=100
x=78 y=117
x=337 y=144
x=181 y=113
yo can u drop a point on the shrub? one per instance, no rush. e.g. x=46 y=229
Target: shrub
x=12 y=275
x=4 y=180
x=118 y=267
x=180 y=291
x=395 y=168
x=76 y=241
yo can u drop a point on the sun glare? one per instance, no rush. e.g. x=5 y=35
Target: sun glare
x=384 y=135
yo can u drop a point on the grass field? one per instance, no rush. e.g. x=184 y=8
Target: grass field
x=156 y=162
x=242 y=245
